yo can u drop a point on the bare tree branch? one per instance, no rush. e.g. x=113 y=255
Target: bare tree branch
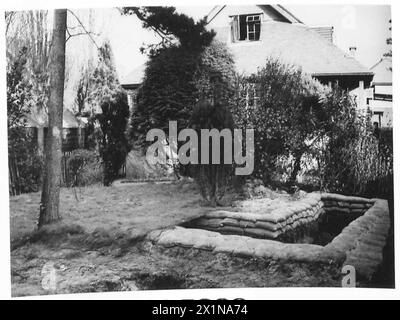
x=70 y=35
x=86 y=32
x=9 y=15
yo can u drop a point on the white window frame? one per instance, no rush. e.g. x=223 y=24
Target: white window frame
x=253 y=19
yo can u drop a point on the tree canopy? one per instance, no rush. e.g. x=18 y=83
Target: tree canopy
x=172 y=26
x=174 y=81
x=111 y=111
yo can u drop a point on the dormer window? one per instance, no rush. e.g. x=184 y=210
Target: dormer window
x=246 y=27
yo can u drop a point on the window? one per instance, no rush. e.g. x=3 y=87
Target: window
x=246 y=27
x=377 y=117
x=253 y=27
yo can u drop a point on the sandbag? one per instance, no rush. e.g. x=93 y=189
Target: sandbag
x=358 y=206
x=230 y=222
x=261 y=233
x=338 y=197
x=330 y=203
x=337 y=209
x=268 y=226
x=247 y=224
x=231 y=229
x=209 y=223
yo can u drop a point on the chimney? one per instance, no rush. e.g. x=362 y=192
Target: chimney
x=353 y=51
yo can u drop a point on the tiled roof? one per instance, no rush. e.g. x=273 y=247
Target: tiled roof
x=382 y=72
x=296 y=44
x=39 y=119
x=292 y=43
x=135 y=77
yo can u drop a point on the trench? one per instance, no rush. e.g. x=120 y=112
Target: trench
x=319 y=232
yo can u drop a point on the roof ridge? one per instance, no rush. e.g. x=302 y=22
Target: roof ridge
x=212 y=10
x=288 y=12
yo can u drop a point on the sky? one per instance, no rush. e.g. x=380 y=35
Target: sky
x=363 y=26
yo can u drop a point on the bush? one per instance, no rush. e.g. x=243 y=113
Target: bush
x=25 y=163
x=113 y=143
x=106 y=93
x=371 y=169
x=352 y=159
x=84 y=168
x=300 y=124
x=282 y=105
x=212 y=179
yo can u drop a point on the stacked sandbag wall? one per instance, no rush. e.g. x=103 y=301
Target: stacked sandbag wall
x=283 y=223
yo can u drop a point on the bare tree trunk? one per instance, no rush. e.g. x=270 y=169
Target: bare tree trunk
x=295 y=171
x=49 y=205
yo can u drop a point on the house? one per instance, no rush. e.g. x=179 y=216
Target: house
x=380 y=93
x=73 y=129
x=256 y=32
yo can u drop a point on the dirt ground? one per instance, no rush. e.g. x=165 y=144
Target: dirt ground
x=80 y=270
x=98 y=246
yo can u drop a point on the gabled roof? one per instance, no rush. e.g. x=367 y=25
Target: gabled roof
x=383 y=72
x=285 y=15
x=290 y=41
x=284 y=12
x=295 y=44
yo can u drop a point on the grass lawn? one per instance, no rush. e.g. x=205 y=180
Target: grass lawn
x=126 y=207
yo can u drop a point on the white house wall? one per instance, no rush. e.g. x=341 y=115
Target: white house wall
x=387 y=110
x=384 y=90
